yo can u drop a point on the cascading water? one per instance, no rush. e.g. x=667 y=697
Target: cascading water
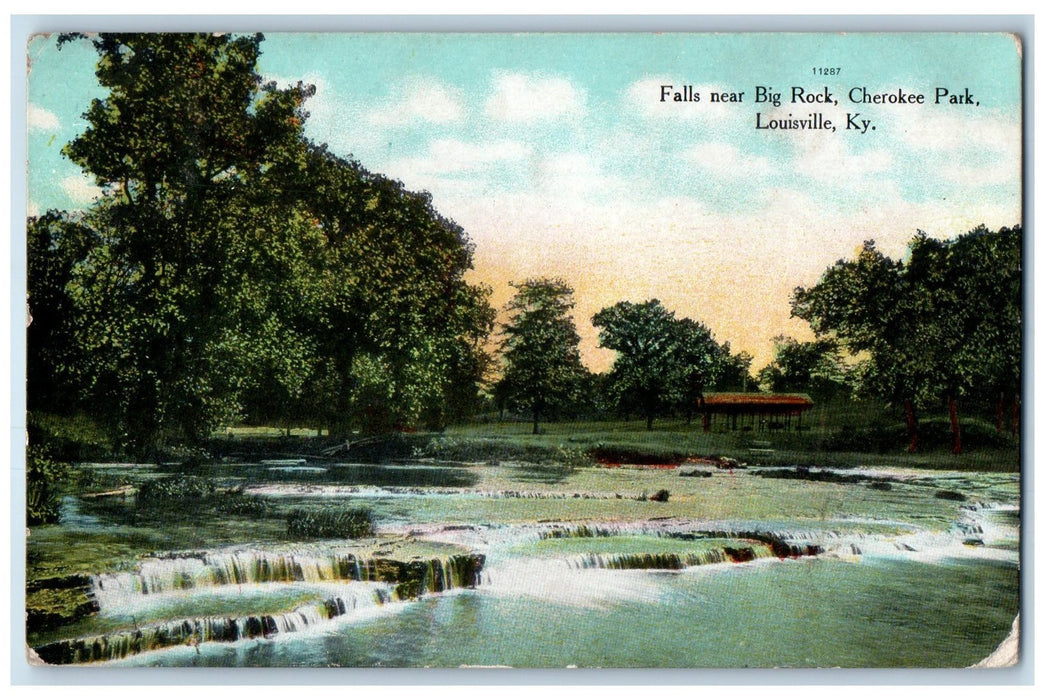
x=196 y=631
x=189 y=571
x=341 y=582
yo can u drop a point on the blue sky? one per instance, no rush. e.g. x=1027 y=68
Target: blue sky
x=557 y=156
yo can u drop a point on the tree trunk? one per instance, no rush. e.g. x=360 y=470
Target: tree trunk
x=1001 y=411
x=912 y=425
x=649 y=421
x=952 y=406
x=536 y=430
x=706 y=422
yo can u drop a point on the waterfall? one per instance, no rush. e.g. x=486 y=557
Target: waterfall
x=358 y=582
x=786 y=544
x=187 y=571
x=196 y=631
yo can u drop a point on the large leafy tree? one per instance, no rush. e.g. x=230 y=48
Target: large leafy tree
x=942 y=325
x=199 y=263
x=662 y=361
x=542 y=364
x=238 y=270
x=402 y=333
x=869 y=305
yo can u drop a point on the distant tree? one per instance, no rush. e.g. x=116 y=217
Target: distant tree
x=815 y=367
x=734 y=371
x=542 y=365
x=697 y=364
x=662 y=362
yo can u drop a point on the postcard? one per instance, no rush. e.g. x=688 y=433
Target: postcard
x=535 y=350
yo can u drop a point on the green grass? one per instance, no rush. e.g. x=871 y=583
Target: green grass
x=985 y=450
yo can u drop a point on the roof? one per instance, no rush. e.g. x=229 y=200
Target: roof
x=753 y=400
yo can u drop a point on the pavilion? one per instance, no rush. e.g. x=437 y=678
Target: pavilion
x=751 y=411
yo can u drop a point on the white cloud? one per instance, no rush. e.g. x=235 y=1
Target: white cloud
x=569 y=179
x=456 y=156
x=40 y=119
x=454 y=168
x=827 y=158
x=727 y=161
x=932 y=128
x=984 y=149
x=424 y=100
x=80 y=189
x=521 y=98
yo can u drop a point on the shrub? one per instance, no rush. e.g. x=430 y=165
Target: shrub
x=660 y=496
x=43 y=476
x=573 y=457
x=177 y=489
x=235 y=502
x=350 y=523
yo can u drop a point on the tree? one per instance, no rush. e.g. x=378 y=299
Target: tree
x=188 y=292
x=542 y=363
x=734 y=371
x=402 y=334
x=815 y=367
x=867 y=304
x=944 y=324
x=56 y=243
x=662 y=362
x=697 y=364
x=240 y=271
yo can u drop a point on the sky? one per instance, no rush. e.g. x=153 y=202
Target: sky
x=558 y=156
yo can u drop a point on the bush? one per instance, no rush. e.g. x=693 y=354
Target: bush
x=351 y=523
x=174 y=490
x=933 y=434
x=235 y=502
x=660 y=496
x=573 y=457
x=42 y=479
x=200 y=493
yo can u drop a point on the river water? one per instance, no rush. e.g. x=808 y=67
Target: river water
x=874 y=595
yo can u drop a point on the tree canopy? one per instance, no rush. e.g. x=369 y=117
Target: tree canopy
x=942 y=325
x=815 y=367
x=236 y=270
x=542 y=362
x=662 y=362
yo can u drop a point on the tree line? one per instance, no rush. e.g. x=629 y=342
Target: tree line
x=233 y=270
x=663 y=363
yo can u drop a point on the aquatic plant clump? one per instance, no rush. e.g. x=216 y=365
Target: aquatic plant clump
x=351 y=523
x=175 y=489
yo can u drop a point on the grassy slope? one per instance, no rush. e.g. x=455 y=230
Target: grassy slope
x=672 y=436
